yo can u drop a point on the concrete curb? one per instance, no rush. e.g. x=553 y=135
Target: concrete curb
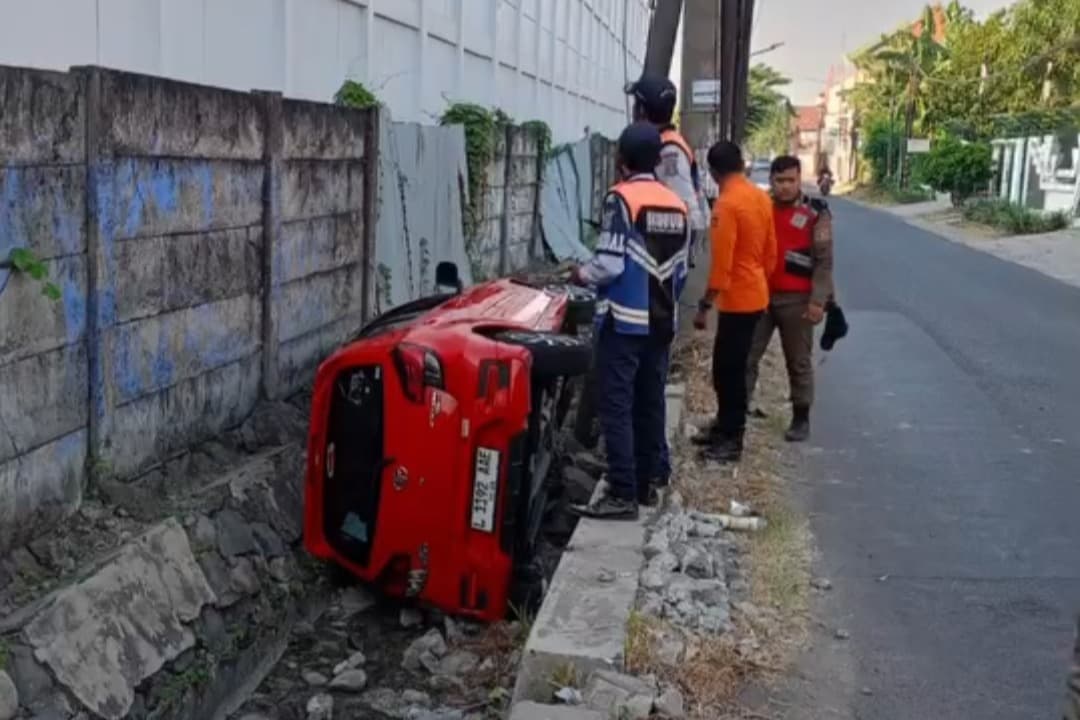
x=582 y=621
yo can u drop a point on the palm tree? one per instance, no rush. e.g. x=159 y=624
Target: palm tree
x=763 y=95
x=906 y=60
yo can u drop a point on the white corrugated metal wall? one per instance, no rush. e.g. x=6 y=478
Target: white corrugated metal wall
x=561 y=61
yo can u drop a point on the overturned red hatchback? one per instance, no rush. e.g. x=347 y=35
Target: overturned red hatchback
x=431 y=435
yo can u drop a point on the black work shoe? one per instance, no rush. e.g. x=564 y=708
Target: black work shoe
x=800 y=426
x=609 y=508
x=708 y=435
x=650 y=497
x=724 y=453
x=727 y=449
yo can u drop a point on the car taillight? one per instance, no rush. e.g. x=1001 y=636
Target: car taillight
x=418 y=367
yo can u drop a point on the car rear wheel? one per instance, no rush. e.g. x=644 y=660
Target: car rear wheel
x=554 y=354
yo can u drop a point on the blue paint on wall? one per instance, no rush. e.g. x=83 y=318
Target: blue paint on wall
x=73 y=296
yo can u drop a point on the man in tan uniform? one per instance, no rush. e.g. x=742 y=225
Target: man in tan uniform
x=800 y=286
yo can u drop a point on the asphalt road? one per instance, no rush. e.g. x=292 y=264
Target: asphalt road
x=943 y=485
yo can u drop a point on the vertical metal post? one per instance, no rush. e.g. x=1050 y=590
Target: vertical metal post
x=273 y=149
x=371 y=208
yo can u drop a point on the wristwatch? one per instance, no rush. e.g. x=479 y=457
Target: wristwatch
x=704 y=305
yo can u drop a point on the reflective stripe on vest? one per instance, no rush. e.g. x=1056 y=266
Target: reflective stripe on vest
x=794 y=272
x=644 y=296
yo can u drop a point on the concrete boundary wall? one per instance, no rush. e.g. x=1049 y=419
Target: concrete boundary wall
x=211 y=247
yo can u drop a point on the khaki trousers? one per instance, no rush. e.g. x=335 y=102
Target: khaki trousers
x=785 y=313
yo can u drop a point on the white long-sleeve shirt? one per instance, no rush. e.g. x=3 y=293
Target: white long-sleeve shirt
x=675 y=172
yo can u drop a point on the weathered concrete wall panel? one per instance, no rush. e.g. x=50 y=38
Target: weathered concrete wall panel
x=161 y=424
x=313 y=188
x=143 y=197
x=179 y=198
x=41 y=117
x=45 y=397
x=178 y=271
x=43 y=205
x=320 y=245
x=31 y=323
x=319 y=258
x=322 y=132
x=155 y=353
x=155 y=117
x=43 y=352
x=41 y=487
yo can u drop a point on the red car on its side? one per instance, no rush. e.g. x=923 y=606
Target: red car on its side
x=431 y=436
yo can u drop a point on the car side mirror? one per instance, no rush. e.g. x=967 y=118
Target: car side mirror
x=446 y=275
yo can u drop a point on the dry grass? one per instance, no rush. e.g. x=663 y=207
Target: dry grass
x=778 y=558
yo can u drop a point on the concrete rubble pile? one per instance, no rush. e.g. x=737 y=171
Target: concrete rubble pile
x=691 y=569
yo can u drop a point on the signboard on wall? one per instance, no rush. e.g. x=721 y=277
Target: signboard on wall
x=917 y=146
x=705 y=93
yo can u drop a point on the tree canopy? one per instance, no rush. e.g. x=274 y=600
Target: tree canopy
x=971 y=75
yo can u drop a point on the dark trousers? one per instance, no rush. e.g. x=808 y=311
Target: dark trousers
x=731 y=354
x=631 y=371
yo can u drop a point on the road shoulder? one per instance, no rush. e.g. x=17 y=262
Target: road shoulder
x=1056 y=254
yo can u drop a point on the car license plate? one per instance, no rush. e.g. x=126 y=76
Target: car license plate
x=485 y=489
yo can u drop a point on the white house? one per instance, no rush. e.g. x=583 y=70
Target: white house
x=561 y=61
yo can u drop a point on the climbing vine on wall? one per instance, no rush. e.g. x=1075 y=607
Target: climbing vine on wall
x=481 y=126
x=543 y=135
x=24 y=260
x=355 y=95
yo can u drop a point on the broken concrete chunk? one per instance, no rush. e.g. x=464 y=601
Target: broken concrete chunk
x=243 y=576
x=203 y=533
x=411 y=617
x=31 y=679
x=536 y=711
x=234 y=535
x=141 y=602
x=355 y=600
x=606 y=690
x=637 y=707
x=350 y=681
x=671 y=705
x=9 y=697
x=430 y=644
x=320 y=707
x=459 y=663
x=268 y=541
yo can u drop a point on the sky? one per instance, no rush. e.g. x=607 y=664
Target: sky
x=819 y=33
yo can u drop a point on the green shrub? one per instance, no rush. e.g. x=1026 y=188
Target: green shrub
x=1014 y=219
x=354 y=95
x=481 y=126
x=879 y=138
x=958 y=168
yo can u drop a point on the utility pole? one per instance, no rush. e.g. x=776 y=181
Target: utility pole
x=716 y=48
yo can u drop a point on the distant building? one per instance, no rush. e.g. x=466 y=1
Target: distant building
x=806 y=131
x=838 y=124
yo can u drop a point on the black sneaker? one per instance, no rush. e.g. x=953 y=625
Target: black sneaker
x=609 y=508
x=759 y=414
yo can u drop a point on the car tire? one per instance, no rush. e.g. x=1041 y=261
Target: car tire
x=580 y=304
x=553 y=354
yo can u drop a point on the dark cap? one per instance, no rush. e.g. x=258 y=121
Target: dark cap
x=639 y=147
x=656 y=94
